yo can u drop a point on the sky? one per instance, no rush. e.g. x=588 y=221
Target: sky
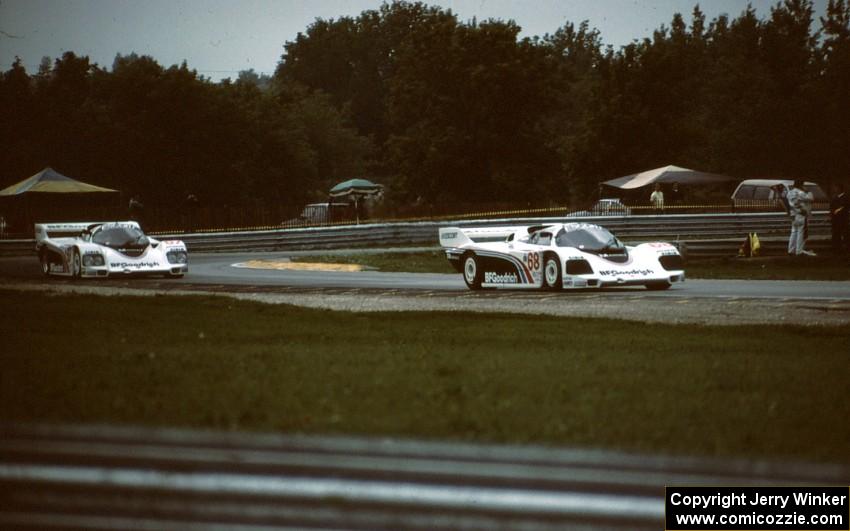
x=219 y=38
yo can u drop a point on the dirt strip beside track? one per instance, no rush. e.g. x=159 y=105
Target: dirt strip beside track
x=643 y=307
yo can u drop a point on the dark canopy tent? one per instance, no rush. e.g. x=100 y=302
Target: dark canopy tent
x=50 y=196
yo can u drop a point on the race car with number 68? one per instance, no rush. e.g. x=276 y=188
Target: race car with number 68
x=556 y=256
x=106 y=249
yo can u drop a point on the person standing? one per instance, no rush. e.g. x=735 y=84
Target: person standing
x=839 y=217
x=190 y=211
x=799 y=208
x=657 y=199
x=675 y=194
x=136 y=207
x=780 y=196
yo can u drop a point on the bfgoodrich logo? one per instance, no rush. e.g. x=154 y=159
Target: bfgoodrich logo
x=495 y=278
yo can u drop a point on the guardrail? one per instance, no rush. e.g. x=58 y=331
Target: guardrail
x=704 y=235
x=87 y=477
x=16 y=247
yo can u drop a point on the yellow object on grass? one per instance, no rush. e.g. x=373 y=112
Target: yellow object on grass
x=297 y=266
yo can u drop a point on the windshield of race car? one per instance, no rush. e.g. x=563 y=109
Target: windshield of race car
x=118 y=237
x=589 y=237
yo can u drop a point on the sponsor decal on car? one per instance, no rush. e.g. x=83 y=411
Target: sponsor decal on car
x=133 y=265
x=631 y=272
x=491 y=277
x=448 y=235
x=119 y=225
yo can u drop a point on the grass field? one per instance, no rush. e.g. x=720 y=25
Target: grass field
x=772 y=392
x=766 y=268
x=772 y=268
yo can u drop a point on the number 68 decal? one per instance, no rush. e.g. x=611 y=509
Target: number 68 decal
x=532 y=260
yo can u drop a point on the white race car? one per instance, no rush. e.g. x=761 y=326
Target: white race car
x=563 y=255
x=106 y=249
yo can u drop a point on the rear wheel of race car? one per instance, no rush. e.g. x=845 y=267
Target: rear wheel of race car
x=658 y=286
x=44 y=258
x=552 y=278
x=472 y=273
x=76 y=264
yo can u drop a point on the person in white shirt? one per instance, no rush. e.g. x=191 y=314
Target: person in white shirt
x=657 y=198
x=799 y=208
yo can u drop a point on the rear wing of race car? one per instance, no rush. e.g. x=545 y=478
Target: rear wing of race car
x=45 y=231
x=49 y=231
x=457 y=237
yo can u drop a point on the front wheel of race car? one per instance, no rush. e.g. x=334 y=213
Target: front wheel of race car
x=472 y=274
x=44 y=258
x=658 y=286
x=552 y=278
x=76 y=265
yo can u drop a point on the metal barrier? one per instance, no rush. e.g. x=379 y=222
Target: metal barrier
x=705 y=235
x=100 y=477
x=16 y=247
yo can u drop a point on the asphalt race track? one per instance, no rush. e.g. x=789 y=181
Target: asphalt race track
x=217 y=270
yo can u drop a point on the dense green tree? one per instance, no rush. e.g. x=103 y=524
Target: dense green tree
x=20 y=124
x=833 y=110
x=448 y=112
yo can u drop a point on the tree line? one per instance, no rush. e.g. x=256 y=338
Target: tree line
x=444 y=111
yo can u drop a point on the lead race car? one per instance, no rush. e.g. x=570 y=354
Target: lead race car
x=556 y=256
x=105 y=249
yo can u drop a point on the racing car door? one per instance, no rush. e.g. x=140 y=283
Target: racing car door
x=530 y=251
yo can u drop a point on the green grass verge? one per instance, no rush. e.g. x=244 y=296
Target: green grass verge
x=772 y=268
x=765 y=268
x=213 y=362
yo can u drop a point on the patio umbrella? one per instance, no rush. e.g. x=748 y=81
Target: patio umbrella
x=356 y=188
x=50 y=181
x=667 y=174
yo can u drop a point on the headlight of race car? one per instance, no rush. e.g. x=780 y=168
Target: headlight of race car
x=93 y=260
x=177 y=257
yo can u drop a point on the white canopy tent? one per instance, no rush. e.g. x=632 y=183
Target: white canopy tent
x=667 y=174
